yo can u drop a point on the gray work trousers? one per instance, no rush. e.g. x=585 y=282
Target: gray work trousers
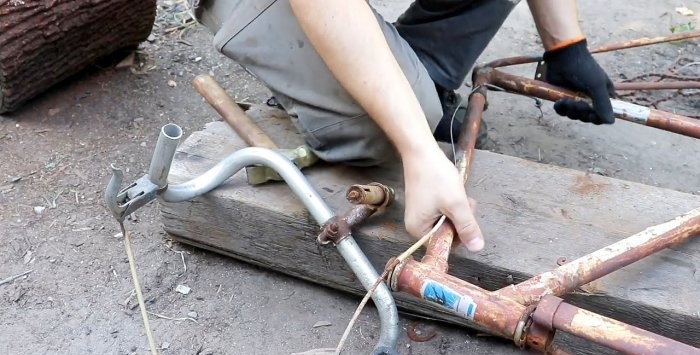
x=434 y=42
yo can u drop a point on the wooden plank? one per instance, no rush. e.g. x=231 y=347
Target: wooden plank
x=530 y=213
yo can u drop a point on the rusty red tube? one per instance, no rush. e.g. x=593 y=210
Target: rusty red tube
x=606 y=331
x=645 y=42
x=674 y=123
x=604 y=261
x=657 y=85
x=439 y=246
x=623 y=110
x=494 y=313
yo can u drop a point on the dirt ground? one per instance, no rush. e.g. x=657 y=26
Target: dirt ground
x=78 y=297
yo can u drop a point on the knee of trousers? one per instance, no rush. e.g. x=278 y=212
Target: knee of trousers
x=275 y=50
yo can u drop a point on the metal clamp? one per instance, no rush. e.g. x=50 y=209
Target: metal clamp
x=123 y=202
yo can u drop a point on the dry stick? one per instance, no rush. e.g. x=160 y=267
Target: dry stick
x=173 y=318
x=15 y=277
x=383 y=276
x=137 y=288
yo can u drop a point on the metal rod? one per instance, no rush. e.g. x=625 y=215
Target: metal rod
x=609 y=332
x=645 y=42
x=658 y=85
x=163 y=154
x=217 y=97
x=623 y=110
x=525 y=59
x=604 y=261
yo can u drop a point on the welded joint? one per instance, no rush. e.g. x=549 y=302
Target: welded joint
x=521 y=330
x=395 y=268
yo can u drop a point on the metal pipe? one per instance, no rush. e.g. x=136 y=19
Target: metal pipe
x=163 y=154
x=623 y=110
x=604 y=261
x=217 y=97
x=607 y=331
x=645 y=42
x=383 y=300
x=318 y=209
x=657 y=85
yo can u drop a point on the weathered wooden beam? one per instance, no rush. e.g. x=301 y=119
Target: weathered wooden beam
x=44 y=42
x=531 y=214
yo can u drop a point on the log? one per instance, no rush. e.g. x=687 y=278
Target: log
x=44 y=42
x=531 y=214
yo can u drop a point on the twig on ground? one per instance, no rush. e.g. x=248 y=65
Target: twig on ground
x=137 y=288
x=182 y=256
x=13 y=278
x=172 y=318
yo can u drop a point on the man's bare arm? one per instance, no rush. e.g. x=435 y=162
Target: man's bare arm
x=556 y=21
x=348 y=38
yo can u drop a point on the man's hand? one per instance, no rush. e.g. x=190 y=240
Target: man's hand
x=573 y=67
x=361 y=60
x=433 y=189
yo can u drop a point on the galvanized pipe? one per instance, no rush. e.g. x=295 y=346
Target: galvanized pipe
x=583 y=270
x=169 y=137
x=319 y=210
x=383 y=300
x=238 y=160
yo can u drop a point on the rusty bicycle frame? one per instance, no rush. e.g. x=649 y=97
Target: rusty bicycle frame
x=529 y=313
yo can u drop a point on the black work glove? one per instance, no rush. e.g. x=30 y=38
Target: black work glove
x=574 y=68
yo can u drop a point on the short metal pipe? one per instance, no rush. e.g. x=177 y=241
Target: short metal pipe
x=606 y=260
x=612 y=333
x=168 y=139
x=383 y=300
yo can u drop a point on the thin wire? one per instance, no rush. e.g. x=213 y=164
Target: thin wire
x=383 y=276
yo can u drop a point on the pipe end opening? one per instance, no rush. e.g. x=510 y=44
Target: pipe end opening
x=172 y=131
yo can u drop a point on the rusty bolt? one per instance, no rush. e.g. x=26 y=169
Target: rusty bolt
x=332 y=229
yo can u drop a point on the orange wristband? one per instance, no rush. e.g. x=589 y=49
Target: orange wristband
x=566 y=43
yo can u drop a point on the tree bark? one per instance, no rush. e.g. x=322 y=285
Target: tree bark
x=44 y=42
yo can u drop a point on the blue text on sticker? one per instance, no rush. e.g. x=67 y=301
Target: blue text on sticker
x=444 y=296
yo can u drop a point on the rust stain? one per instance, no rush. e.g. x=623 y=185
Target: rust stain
x=584 y=185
